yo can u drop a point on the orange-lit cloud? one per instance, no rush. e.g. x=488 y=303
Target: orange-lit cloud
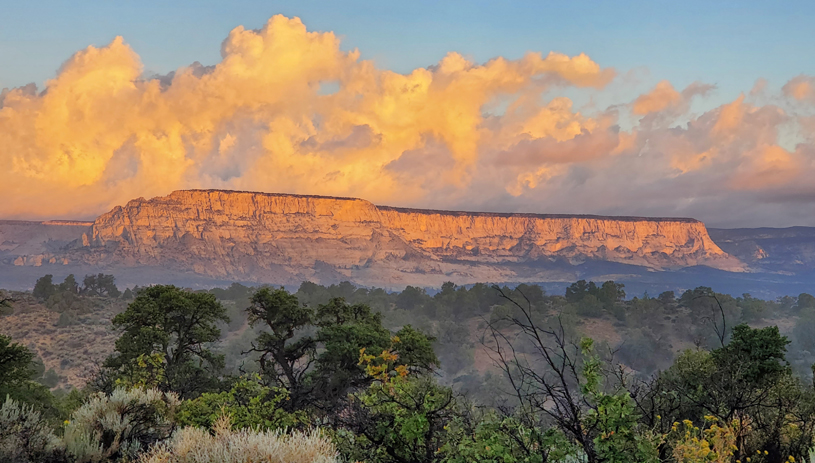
x=458 y=134
x=802 y=88
x=658 y=99
x=100 y=134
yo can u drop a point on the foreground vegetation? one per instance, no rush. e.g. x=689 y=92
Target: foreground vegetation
x=483 y=373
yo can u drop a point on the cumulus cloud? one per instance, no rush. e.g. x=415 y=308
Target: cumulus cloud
x=497 y=135
x=801 y=88
x=661 y=97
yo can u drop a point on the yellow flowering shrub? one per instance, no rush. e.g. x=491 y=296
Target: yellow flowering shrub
x=713 y=443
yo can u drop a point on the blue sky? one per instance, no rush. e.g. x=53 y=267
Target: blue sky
x=645 y=143
x=726 y=43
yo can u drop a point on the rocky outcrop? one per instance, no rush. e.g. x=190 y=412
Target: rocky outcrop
x=25 y=243
x=287 y=238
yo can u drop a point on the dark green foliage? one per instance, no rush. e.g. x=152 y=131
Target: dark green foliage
x=16 y=363
x=5 y=304
x=590 y=306
x=593 y=301
x=100 y=285
x=580 y=289
x=234 y=292
x=44 y=287
x=69 y=285
x=19 y=368
x=357 y=363
x=314 y=354
x=805 y=301
x=756 y=354
x=411 y=298
x=401 y=420
x=68 y=301
x=177 y=324
x=283 y=360
x=748 y=380
x=752 y=309
x=249 y=403
x=344 y=329
x=66 y=319
x=667 y=297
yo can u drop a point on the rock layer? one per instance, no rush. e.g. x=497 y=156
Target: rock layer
x=287 y=238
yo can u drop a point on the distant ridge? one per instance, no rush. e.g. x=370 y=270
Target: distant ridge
x=621 y=218
x=287 y=238
x=461 y=213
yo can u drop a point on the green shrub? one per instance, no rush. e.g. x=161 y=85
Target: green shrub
x=118 y=426
x=25 y=436
x=248 y=403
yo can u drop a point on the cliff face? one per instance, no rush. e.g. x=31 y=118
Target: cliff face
x=287 y=238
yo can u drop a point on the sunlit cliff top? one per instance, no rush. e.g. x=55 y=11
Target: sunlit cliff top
x=455 y=213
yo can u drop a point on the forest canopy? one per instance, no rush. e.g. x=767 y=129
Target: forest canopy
x=456 y=374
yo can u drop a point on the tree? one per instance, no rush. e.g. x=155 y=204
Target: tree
x=752 y=308
x=561 y=383
x=100 y=285
x=177 y=324
x=398 y=418
x=747 y=380
x=344 y=329
x=69 y=284
x=15 y=363
x=44 y=287
x=579 y=289
x=758 y=355
x=283 y=359
x=667 y=297
x=611 y=293
x=18 y=369
x=448 y=290
x=319 y=370
x=411 y=298
x=805 y=301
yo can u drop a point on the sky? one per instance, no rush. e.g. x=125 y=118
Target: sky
x=641 y=108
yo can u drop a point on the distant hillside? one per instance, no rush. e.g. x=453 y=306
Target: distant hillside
x=200 y=238
x=783 y=250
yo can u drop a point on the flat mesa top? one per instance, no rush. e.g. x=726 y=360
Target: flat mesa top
x=464 y=213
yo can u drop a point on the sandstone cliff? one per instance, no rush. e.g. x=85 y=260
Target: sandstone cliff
x=287 y=238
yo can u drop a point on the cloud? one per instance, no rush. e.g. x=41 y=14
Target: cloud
x=498 y=135
x=100 y=133
x=661 y=97
x=664 y=97
x=801 y=88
